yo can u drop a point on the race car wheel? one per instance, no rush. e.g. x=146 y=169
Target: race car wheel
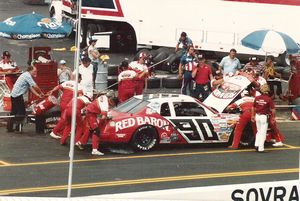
x=160 y=56
x=144 y=138
x=173 y=63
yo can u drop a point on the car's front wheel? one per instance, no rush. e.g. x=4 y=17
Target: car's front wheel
x=144 y=138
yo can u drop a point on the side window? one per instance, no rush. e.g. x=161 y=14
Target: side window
x=188 y=109
x=165 y=110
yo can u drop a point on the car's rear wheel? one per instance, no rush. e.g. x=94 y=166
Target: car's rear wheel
x=247 y=139
x=144 y=138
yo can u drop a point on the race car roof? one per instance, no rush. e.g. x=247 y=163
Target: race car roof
x=163 y=97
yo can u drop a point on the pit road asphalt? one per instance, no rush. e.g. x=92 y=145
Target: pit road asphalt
x=37 y=165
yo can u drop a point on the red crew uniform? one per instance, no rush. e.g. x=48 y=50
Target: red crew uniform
x=98 y=106
x=142 y=73
x=245 y=104
x=126 y=86
x=263 y=105
x=82 y=102
x=9 y=68
x=67 y=89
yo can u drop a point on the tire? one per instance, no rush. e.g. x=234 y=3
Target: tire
x=112 y=70
x=112 y=80
x=153 y=83
x=171 y=82
x=144 y=138
x=165 y=49
x=160 y=56
x=46 y=122
x=136 y=57
x=153 y=53
x=173 y=63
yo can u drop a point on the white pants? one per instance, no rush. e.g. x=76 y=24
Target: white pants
x=262 y=126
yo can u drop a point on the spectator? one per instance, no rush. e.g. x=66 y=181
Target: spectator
x=86 y=71
x=270 y=74
x=185 y=41
x=185 y=69
x=202 y=75
x=63 y=72
x=142 y=73
x=253 y=63
x=262 y=107
x=230 y=64
x=94 y=57
x=23 y=83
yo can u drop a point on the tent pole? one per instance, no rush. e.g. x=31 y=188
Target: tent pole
x=73 y=126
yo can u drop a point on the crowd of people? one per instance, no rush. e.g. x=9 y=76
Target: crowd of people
x=198 y=80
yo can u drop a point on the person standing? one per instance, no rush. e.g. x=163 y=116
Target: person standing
x=202 y=75
x=142 y=73
x=263 y=106
x=9 y=68
x=255 y=65
x=185 y=41
x=24 y=83
x=185 y=70
x=230 y=64
x=86 y=72
x=67 y=88
x=63 y=72
x=94 y=55
x=126 y=84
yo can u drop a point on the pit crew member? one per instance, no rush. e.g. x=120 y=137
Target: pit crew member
x=126 y=86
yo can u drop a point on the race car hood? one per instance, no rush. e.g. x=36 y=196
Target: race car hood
x=223 y=95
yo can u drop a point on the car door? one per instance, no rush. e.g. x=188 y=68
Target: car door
x=191 y=121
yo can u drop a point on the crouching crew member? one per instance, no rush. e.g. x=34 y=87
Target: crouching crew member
x=82 y=102
x=142 y=73
x=67 y=88
x=126 y=86
x=245 y=105
x=263 y=106
x=99 y=106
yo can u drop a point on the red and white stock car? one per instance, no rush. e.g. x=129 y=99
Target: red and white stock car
x=146 y=120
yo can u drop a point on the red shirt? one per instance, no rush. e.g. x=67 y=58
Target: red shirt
x=82 y=101
x=202 y=76
x=263 y=104
x=98 y=106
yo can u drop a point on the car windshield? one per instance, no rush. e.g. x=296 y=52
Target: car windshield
x=133 y=105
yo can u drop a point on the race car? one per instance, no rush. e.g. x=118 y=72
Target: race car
x=147 y=120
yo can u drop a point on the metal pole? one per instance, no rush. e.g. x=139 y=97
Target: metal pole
x=73 y=126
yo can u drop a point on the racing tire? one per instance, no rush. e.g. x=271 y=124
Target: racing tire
x=46 y=122
x=153 y=83
x=165 y=49
x=112 y=81
x=112 y=70
x=144 y=138
x=153 y=53
x=171 y=82
x=136 y=57
x=160 y=56
x=173 y=63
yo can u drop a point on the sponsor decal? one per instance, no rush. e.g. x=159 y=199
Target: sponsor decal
x=48 y=23
x=227 y=91
x=27 y=36
x=51 y=36
x=137 y=121
x=265 y=194
x=9 y=22
x=4 y=35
